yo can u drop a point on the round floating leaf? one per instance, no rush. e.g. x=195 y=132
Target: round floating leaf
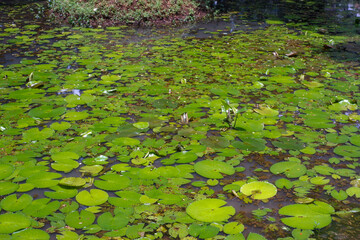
x=7 y=188
x=215 y=142
x=210 y=210
x=31 y=234
x=213 y=169
x=307 y=216
x=259 y=190
x=61 y=193
x=92 y=198
x=283 y=182
x=76 y=116
x=79 y=221
x=112 y=182
x=60 y=126
x=289 y=168
x=13 y=204
x=41 y=207
x=341 y=195
x=46 y=111
x=266 y=111
x=319 y=180
x=126 y=141
x=288 y=143
x=347 y=151
x=353 y=191
x=184 y=157
x=109 y=222
x=203 y=232
x=141 y=125
x=6 y=170
x=72 y=182
x=34 y=134
x=44 y=180
x=355 y=139
x=233 y=228
x=335 y=138
x=255 y=236
x=11 y=222
x=250 y=144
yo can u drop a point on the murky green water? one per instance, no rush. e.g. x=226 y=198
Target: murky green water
x=245 y=127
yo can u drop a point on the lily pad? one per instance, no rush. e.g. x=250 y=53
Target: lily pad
x=213 y=169
x=61 y=193
x=80 y=220
x=46 y=111
x=215 y=142
x=93 y=198
x=72 y=182
x=307 y=216
x=112 y=182
x=291 y=169
x=13 y=204
x=6 y=170
x=31 y=234
x=7 y=188
x=210 y=210
x=109 y=222
x=11 y=222
x=259 y=190
x=347 y=151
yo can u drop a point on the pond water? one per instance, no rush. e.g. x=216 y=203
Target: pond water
x=241 y=127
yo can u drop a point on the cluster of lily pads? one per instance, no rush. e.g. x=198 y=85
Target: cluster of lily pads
x=105 y=137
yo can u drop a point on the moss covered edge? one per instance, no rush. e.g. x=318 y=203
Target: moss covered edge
x=130 y=12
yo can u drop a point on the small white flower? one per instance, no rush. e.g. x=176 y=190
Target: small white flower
x=95 y=9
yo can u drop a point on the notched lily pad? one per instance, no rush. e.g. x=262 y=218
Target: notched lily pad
x=291 y=169
x=213 y=169
x=210 y=210
x=259 y=190
x=11 y=222
x=93 y=198
x=307 y=216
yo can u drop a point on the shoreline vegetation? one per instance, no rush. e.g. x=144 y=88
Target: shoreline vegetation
x=118 y=12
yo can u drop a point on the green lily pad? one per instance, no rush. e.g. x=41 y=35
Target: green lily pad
x=13 y=204
x=291 y=169
x=259 y=190
x=34 y=134
x=80 y=220
x=307 y=216
x=93 y=198
x=203 y=231
x=60 y=126
x=7 y=188
x=355 y=139
x=46 y=111
x=210 y=210
x=353 y=191
x=112 y=182
x=61 y=193
x=339 y=195
x=41 y=207
x=215 y=142
x=125 y=141
x=347 y=151
x=72 y=182
x=6 y=170
x=76 y=116
x=233 y=228
x=250 y=144
x=255 y=236
x=213 y=169
x=109 y=222
x=266 y=111
x=11 y=222
x=44 y=180
x=31 y=234
x=335 y=138
x=141 y=125
x=288 y=143
x=184 y=157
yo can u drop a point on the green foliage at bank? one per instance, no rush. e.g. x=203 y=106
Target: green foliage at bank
x=109 y=12
x=105 y=136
